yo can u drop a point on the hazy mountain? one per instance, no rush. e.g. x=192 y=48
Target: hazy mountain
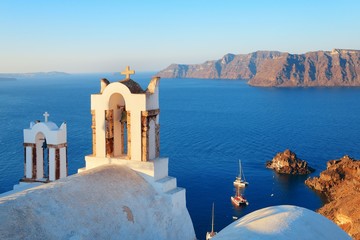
x=271 y=68
x=33 y=74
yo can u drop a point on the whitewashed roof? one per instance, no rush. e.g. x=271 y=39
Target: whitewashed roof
x=108 y=202
x=282 y=222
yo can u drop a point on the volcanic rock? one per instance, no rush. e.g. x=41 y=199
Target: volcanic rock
x=287 y=162
x=340 y=183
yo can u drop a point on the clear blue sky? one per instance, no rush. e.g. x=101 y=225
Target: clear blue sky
x=105 y=36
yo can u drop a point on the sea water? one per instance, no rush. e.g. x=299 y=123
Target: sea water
x=206 y=126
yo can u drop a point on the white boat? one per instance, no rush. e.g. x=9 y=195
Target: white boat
x=240 y=180
x=211 y=234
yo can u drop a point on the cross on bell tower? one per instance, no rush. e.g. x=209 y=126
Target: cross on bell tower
x=127 y=72
x=46 y=115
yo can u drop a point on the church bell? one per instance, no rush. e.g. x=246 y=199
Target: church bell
x=44 y=145
x=123 y=117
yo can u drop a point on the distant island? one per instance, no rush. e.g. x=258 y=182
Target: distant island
x=338 y=67
x=5 y=79
x=13 y=76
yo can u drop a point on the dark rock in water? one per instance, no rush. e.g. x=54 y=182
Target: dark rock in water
x=340 y=183
x=287 y=162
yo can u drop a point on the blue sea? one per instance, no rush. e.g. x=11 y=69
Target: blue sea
x=206 y=126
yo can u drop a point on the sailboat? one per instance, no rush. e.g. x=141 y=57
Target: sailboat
x=211 y=234
x=240 y=180
x=239 y=199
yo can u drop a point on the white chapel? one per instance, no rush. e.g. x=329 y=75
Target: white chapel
x=45 y=147
x=123 y=192
x=125 y=123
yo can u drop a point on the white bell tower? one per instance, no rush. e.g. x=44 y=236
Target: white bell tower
x=125 y=126
x=45 y=147
x=125 y=131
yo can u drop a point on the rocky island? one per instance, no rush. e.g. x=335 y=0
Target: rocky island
x=340 y=182
x=287 y=162
x=338 y=67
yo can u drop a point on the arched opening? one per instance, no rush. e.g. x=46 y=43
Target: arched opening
x=116 y=132
x=40 y=166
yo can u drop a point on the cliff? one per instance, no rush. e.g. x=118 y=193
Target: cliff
x=271 y=68
x=340 y=182
x=287 y=162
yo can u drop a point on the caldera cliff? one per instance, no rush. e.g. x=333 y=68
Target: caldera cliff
x=340 y=182
x=271 y=68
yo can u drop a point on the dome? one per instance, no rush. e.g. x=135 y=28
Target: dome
x=107 y=202
x=51 y=125
x=282 y=222
x=133 y=86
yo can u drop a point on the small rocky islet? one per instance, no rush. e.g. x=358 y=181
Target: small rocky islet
x=288 y=163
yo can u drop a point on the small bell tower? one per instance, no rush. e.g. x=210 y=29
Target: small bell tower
x=45 y=148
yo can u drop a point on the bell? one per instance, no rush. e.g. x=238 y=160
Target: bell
x=44 y=145
x=123 y=117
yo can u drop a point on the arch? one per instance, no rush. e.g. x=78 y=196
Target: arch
x=116 y=87
x=40 y=164
x=116 y=126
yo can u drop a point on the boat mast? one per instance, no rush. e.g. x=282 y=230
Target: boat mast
x=240 y=170
x=212 y=219
x=243 y=174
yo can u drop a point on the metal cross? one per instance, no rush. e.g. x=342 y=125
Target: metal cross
x=128 y=72
x=46 y=115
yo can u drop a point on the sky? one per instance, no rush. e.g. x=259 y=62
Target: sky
x=105 y=36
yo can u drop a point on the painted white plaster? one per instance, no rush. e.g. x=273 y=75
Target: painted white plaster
x=109 y=202
x=52 y=164
x=156 y=169
x=63 y=168
x=152 y=144
x=135 y=103
x=19 y=188
x=117 y=95
x=28 y=155
x=282 y=222
x=53 y=134
x=152 y=94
